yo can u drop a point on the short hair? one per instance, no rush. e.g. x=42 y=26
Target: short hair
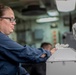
x=45 y=44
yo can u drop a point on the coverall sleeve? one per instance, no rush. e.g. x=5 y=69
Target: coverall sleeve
x=15 y=52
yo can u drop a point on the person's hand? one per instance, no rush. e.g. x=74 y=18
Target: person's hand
x=43 y=55
x=53 y=50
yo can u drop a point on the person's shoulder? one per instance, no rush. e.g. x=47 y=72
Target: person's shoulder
x=3 y=36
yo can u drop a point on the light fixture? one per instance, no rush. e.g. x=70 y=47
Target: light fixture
x=52 y=13
x=65 y=5
x=49 y=19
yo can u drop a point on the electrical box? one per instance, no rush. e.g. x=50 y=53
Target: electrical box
x=38 y=34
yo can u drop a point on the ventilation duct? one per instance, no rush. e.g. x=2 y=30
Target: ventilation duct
x=33 y=10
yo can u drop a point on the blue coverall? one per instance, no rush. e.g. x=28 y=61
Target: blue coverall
x=12 y=53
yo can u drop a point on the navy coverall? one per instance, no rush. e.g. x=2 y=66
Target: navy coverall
x=12 y=53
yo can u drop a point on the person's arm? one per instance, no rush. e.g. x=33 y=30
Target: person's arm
x=18 y=53
x=47 y=51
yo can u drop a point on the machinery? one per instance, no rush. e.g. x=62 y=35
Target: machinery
x=62 y=62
